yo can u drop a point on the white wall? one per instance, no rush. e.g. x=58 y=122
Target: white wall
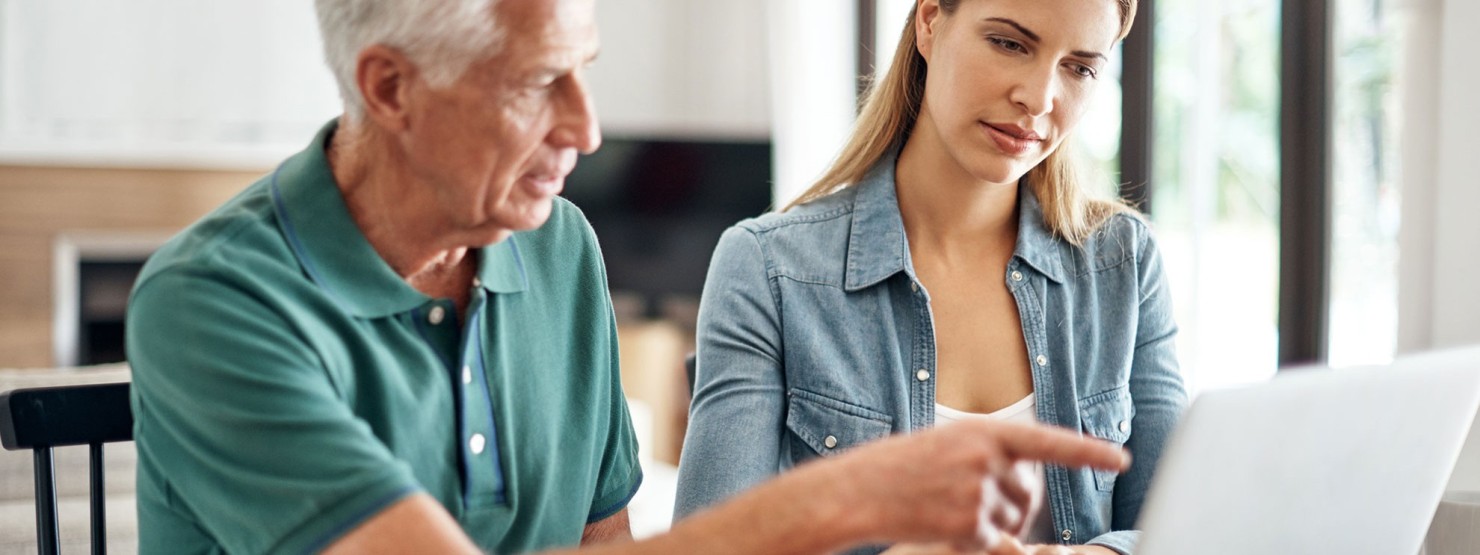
x=1439 y=280
x=683 y=69
x=89 y=81
x=1439 y=269
x=243 y=83
x=813 y=93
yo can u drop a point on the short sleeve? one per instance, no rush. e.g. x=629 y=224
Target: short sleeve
x=619 y=473
x=236 y=413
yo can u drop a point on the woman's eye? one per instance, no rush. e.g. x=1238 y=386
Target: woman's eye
x=1007 y=44
x=1084 y=71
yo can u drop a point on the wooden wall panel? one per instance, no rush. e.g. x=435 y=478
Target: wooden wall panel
x=39 y=203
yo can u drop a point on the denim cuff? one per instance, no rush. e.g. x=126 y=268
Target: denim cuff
x=1120 y=541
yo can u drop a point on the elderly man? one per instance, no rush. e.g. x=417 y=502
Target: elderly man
x=400 y=339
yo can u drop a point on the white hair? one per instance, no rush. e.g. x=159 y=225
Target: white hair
x=442 y=37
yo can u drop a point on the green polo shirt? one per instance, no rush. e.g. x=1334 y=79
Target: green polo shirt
x=288 y=384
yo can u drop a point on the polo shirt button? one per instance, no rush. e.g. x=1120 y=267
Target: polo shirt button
x=922 y=375
x=830 y=442
x=1042 y=360
x=1125 y=426
x=467 y=375
x=436 y=314
x=475 y=443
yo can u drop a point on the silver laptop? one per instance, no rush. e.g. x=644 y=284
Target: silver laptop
x=1317 y=461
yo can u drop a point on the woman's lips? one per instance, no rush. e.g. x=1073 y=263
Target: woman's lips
x=1010 y=143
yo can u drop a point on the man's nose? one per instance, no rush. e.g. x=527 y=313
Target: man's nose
x=576 y=125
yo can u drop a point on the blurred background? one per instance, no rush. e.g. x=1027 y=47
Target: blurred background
x=1309 y=165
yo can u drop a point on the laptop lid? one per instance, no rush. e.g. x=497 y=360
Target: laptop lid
x=1315 y=461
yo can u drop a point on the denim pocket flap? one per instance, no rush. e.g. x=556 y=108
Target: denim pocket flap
x=828 y=425
x=1108 y=415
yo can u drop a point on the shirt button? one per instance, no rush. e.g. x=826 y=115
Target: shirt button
x=477 y=283
x=467 y=375
x=830 y=442
x=914 y=287
x=1125 y=426
x=436 y=314
x=1017 y=276
x=475 y=443
x=1042 y=360
x=1067 y=534
x=922 y=375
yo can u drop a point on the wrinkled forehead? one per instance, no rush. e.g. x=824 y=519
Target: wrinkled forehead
x=544 y=29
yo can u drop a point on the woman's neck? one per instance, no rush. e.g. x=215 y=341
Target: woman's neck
x=948 y=212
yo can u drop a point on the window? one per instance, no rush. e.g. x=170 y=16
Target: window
x=1365 y=191
x=1215 y=182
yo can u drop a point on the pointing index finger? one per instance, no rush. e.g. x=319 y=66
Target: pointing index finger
x=1054 y=445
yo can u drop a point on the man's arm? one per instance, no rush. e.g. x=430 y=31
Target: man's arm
x=416 y=524
x=953 y=483
x=948 y=484
x=613 y=528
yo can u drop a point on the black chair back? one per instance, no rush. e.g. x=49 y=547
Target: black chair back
x=43 y=418
x=690 y=370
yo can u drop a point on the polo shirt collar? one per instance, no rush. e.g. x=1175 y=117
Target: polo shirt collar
x=1036 y=245
x=501 y=268
x=313 y=217
x=877 y=248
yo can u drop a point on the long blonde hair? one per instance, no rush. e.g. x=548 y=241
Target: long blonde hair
x=888 y=116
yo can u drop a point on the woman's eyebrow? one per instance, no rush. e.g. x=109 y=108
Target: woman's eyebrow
x=1015 y=25
x=1034 y=36
x=1088 y=54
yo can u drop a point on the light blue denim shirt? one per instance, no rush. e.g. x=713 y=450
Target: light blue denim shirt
x=813 y=325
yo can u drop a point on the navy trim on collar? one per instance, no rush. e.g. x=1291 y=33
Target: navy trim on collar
x=501 y=267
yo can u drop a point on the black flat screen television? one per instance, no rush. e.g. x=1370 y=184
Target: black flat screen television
x=659 y=207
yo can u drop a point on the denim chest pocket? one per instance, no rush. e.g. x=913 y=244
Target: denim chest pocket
x=1108 y=416
x=821 y=425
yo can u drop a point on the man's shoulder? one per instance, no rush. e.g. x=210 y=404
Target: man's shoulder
x=565 y=242
x=241 y=237
x=566 y=222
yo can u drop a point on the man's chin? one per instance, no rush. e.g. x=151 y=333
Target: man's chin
x=526 y=218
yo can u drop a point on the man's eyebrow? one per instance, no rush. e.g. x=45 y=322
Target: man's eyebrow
x=1034 y=37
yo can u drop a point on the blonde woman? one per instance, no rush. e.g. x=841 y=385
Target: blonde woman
x=948 y=267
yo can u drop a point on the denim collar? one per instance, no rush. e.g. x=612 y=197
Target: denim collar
x=878 y=249
x=313 y=217
x=1036 y=245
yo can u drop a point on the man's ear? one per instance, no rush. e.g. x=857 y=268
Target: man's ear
x=927 y=16
x=384 y=77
